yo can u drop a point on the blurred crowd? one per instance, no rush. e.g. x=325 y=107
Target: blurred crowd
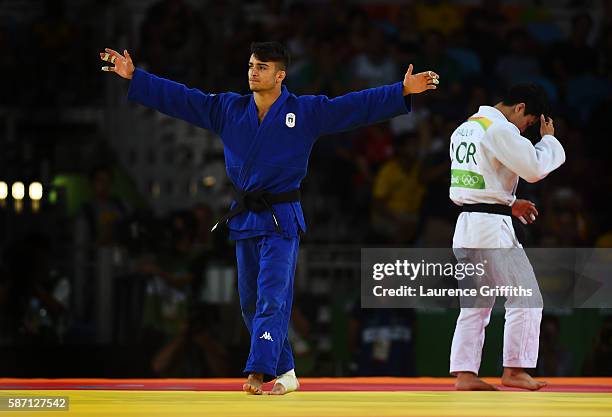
x=384 y=184
x=394 y=176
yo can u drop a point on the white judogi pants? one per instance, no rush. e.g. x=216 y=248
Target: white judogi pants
x=522 y=327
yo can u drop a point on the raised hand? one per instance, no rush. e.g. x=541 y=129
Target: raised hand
x=546 y=126
x=124 y=67
x=525 y=211
x=417 y=83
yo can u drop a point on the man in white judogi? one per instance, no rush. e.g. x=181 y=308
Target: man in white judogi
x=488 y=156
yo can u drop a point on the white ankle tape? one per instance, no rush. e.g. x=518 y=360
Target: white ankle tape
x=290 y=372
x=289 y=381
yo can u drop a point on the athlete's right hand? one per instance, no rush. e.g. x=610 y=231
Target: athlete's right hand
x=525 y=211
x=546 y=126
x=124 y=67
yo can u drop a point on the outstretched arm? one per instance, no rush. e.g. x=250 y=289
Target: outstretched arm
x=169 y=97
x=372 y=105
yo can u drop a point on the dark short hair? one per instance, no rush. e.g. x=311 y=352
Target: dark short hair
x=271 y=52
x=533 y=95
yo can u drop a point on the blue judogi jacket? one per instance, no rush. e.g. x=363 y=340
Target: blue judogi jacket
x=271 y=156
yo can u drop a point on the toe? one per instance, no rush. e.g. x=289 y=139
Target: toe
x=251 y=389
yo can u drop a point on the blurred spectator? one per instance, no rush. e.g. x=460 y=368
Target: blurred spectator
x=171 y=296
x=477 y=95
x=100 y=226
x=373 y=146
x=8 y=64
x=182 y=264
x=577 y=172
x=574 y=56
x=519 y=64
x=460 y=50
x=195 y=350
x=358 y=22
x=554 y=359
x=412 y=122
x=485 y=27
x=433 y=55
x=31 y=313
x=322 y=73
x=398 y=193
x=565 y=225
x=55 y=41
x=305 y=331
x=382 y=341
x=266 y=13
x=599 y=360
x=438 y=213
x=101 y=220
x=540 y=23
x=374 y=67
x=407 y=35
x=204 y=221
x=169 y=39
x=438 y=15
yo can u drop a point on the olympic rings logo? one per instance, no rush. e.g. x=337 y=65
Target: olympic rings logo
x=470 y=180
x=467 y=179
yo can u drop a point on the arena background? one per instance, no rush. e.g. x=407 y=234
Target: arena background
x=114 y=272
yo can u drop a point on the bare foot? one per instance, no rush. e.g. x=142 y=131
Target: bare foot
x=253 y=384
x=518 y=378
x=467 y=381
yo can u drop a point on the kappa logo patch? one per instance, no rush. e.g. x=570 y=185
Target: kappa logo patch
x=266 y=336
x=290 y=120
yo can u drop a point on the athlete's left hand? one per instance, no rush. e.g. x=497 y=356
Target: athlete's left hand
x=417 y=83
x=525 y=211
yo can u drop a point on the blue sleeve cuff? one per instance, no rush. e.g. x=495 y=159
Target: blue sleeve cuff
x=406 y=105
x=138 y=85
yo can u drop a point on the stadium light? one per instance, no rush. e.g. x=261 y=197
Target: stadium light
x=35 y=191
x=18 y=192
x=209 y=181
x=3 y=193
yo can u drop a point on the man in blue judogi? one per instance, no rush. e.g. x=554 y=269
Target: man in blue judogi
x=268 y=137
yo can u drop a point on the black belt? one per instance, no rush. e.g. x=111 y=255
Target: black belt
x=488 y=208
x=258 y=201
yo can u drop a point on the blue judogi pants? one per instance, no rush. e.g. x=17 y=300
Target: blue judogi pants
x=266 y=267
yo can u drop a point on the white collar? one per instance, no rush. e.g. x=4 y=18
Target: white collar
x=492 y=112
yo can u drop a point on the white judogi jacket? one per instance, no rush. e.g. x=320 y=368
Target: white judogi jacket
x=489 y=155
